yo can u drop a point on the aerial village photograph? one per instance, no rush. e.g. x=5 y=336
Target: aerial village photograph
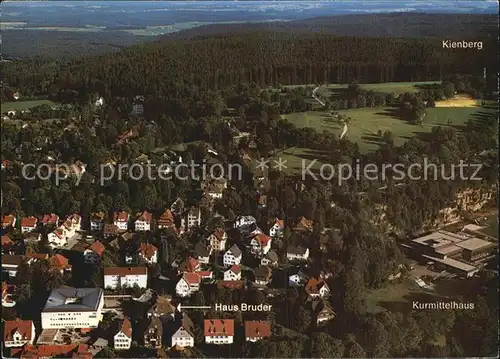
x=249 y=179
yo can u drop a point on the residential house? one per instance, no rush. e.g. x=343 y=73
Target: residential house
x=110 y=230
x=143 y=221
x=270 y=259
x=233 y=273
x=162 y=307
x=32 y=237
x=263 y=275
x=166 y=219
x=10 y=263
x=8 y=221
x=232 y=256
x=218 y=240
x=148 y=253
x=219 y=331
x=28 y=224
x=297 y=253
x=214 y=189
x=137 y=108
x=260 y=244
x=277 y=228
x=7 y=244
x=59 y=263
x=202 y=252
x=188 y=284
x=303 y=225
x=93 y=253
x=120 y=277
x=193 y=217
x=244 y=221
x=153 y=334
x=317 y=288
x=322 y=311
x=256 y=330
x=122 y=340
x=190 y=264
x=97 y=221
x=298 y=279
x=18 y=333
x=184 y=334
x=74 y=351
x=178 y=206
x=120 y=219
x=50 y=219
x=75 y=221
x=7 y=300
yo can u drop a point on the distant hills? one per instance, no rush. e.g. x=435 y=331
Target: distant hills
x=479 y=27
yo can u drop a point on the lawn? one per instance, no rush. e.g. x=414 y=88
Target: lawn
x=395 y=296
x=366 y=122
x=23 y=105
x=292 y=158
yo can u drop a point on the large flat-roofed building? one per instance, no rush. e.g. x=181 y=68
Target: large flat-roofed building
x=73 y=308
x=475 y=249
x=441 y=244
x=461 y=268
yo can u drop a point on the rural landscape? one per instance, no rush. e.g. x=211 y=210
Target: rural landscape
x=249 y=179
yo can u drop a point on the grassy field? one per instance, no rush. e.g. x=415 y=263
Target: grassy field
x=396 y=296
x=387 y=87
x=23 y=105
x=294 y=157
x=366 y=122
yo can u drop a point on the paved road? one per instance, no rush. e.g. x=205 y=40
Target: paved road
x=316 y=98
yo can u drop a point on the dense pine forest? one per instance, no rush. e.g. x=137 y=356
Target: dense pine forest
x=266 y=58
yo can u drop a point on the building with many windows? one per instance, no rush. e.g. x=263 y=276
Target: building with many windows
x=119 y=277
x=219 y=331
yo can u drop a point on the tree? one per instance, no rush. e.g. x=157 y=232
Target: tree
x=324 y=346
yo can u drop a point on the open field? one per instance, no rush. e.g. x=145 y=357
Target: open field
x=387 y=87
x=459 y=101
x=394 y=296
x=366 y=122
x=23 y=105
x=294 y=157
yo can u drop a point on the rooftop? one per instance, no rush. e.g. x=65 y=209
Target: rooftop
x=440 y=238
x=73 y=299
x=474 y=244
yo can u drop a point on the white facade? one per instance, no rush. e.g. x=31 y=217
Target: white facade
x=297 y=279
x=193 y=218
x=219 y=339
x=114 y=281
x=122 y=341
x=229 y=259
x=216 y=243
x=141 y=226
x=18 y=340
x=79 y=319
x=27 y=229
x=182 y=338
x=260 y=248
x=185 y=289
x=121 y=223
x=242 y=221
x=96 y=225
x=297 y=256
x=276 y=231
x=230 y=275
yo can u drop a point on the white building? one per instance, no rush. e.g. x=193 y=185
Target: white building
x=295 y=253
x=218 y=240
x=260 y=244
x=28 y=224
x=188 y=284
x=257 y=330
x=243 y=221
x=60 y=236
x=123 y=339
x=297 y=279
x=219 y=331
x=270 y=259
x=233 y=273
x=202 y=253
x=143 y=222
x=317 y=288
x=277 y=229
x=120 y=219
x=184 y=335
x=232 y=256
x=97 y=221
x=17 y=333
x=193 y=217
x=148 y=253
x=68 y=308
x=116 y=277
